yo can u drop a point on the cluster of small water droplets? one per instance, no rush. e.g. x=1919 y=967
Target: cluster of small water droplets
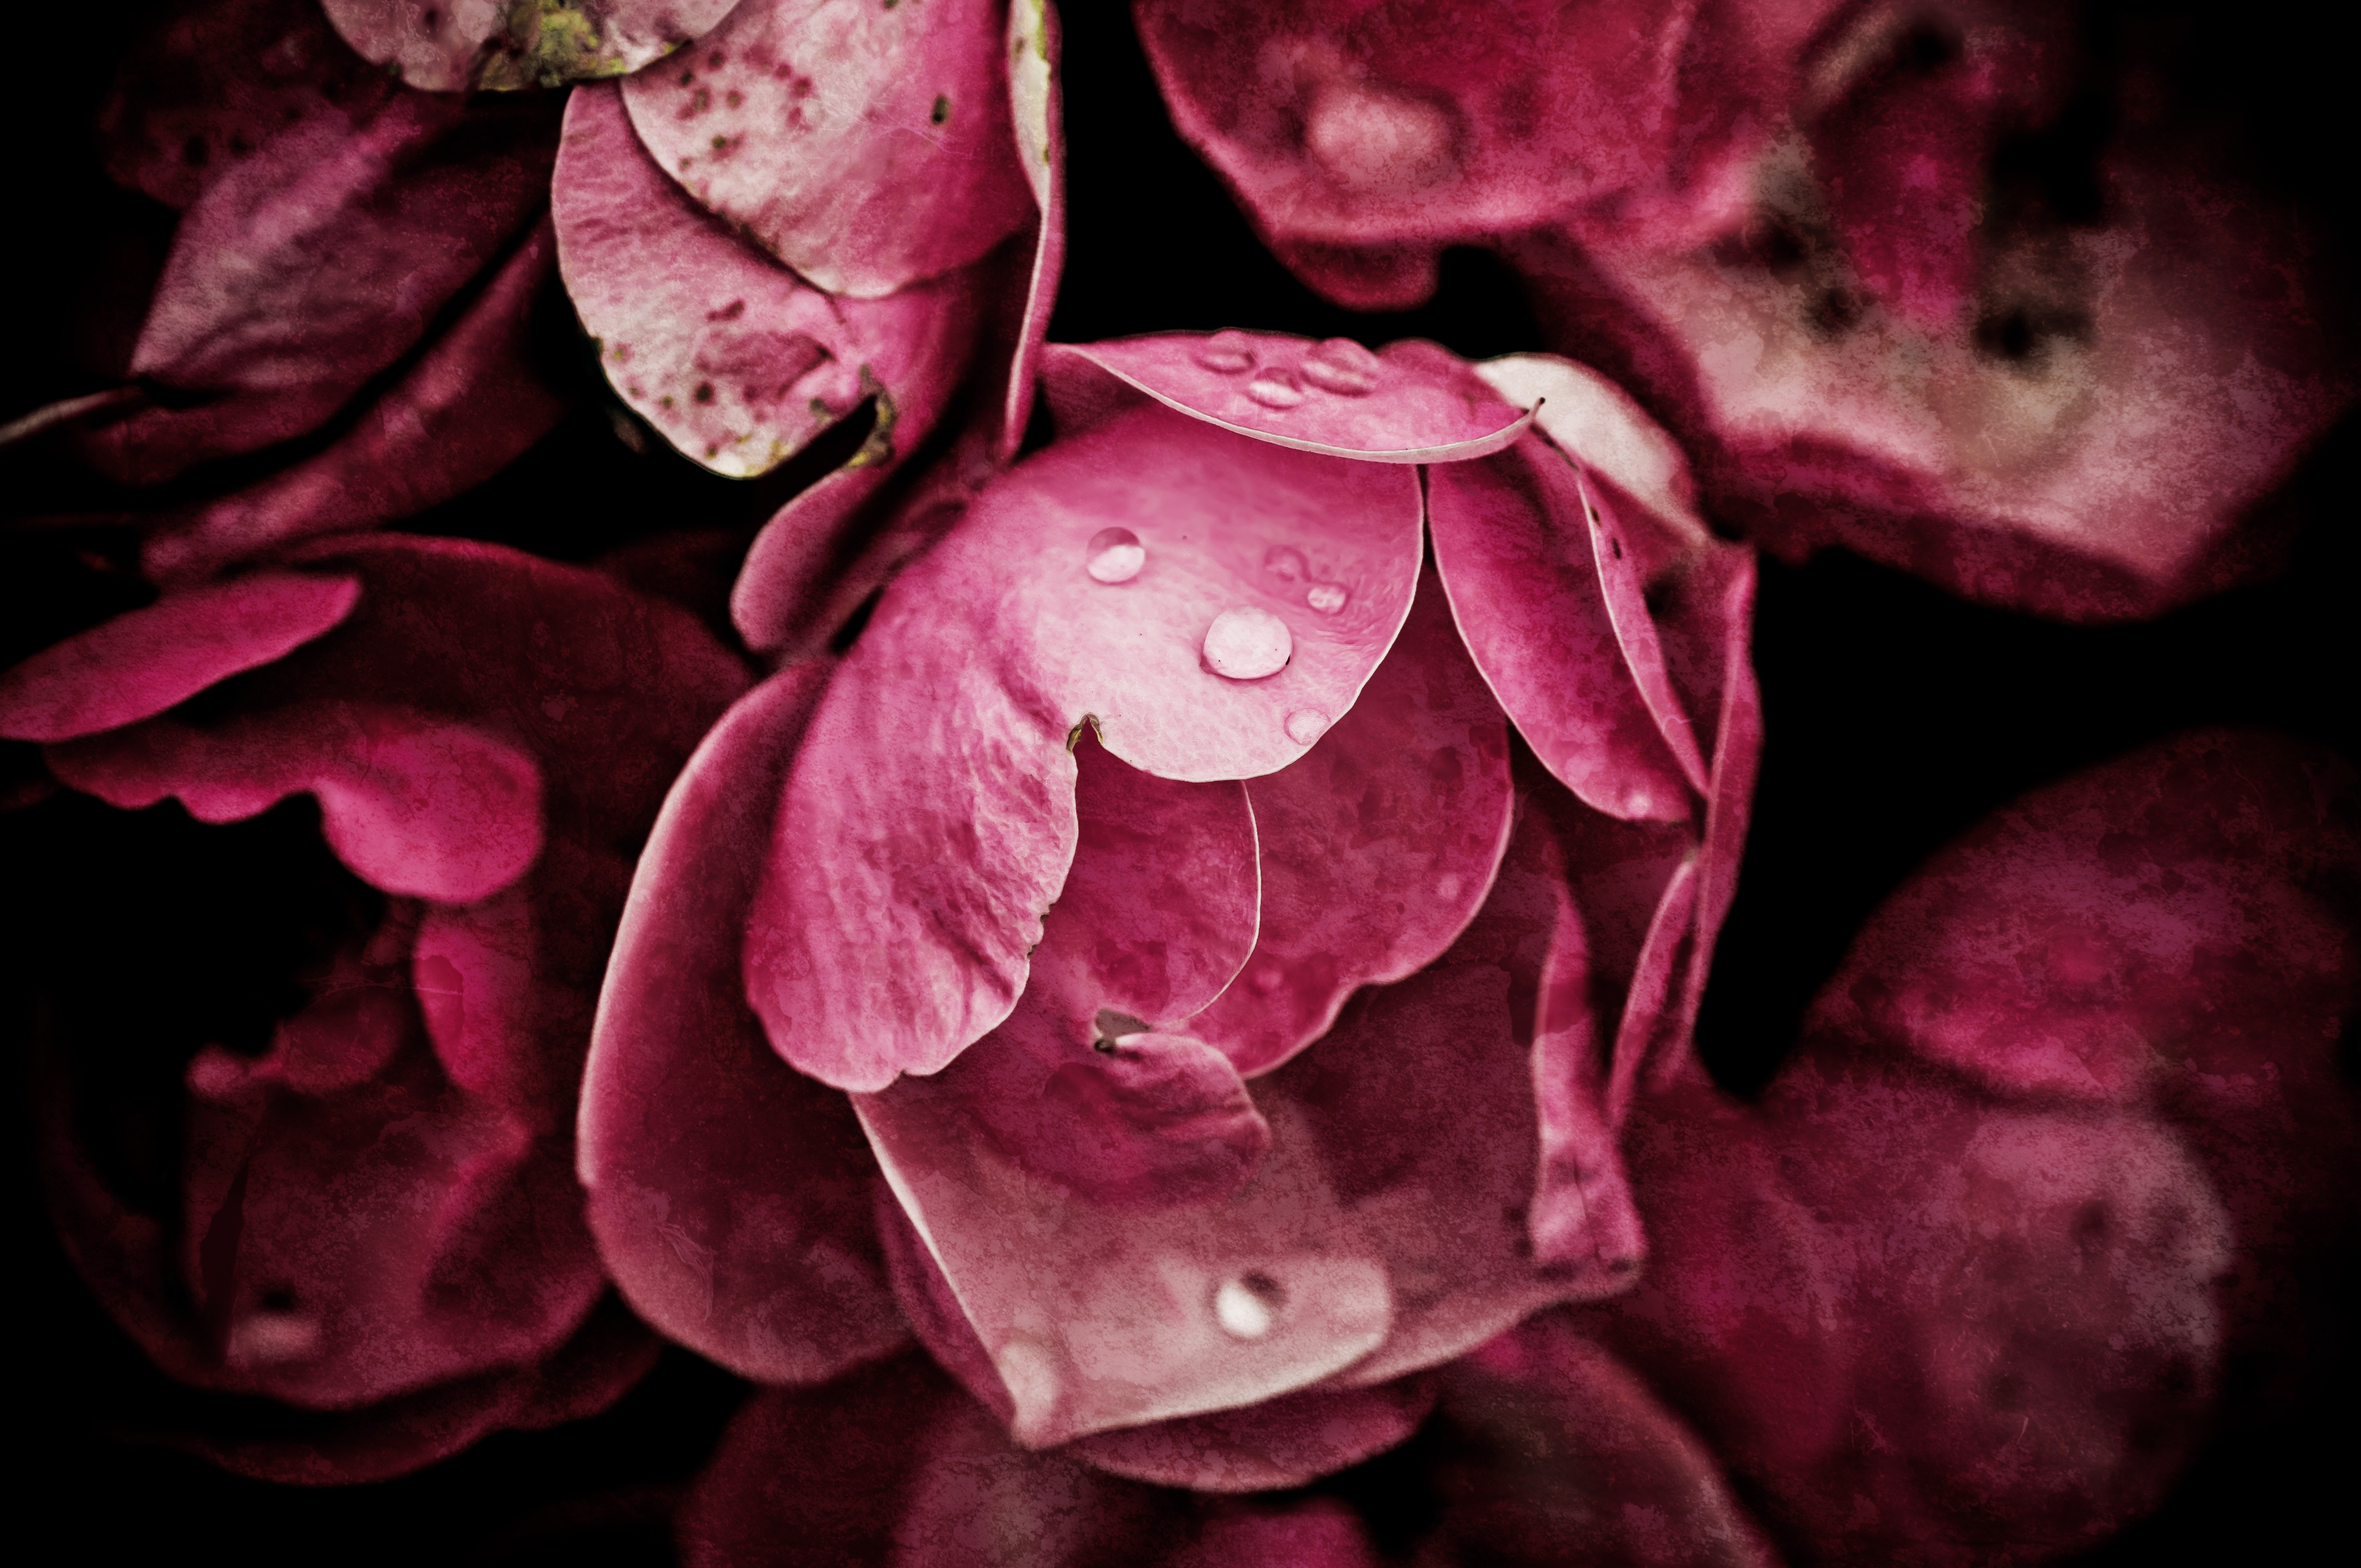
x=1114 y=555
x=1247 y=644
x=1287 y=563
x=1339 y=366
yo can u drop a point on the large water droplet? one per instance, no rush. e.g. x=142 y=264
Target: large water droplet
x=1275 y=390
x=1116 y=555
x=1286 y=563
x=1247 y=644
x=1228 y=352
x=1326 y=597
x=1342 y=367
x=1247 y=1307
x=1306 y=724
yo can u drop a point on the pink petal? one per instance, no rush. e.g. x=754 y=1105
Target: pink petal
x=205 y=85
x=1014 y=644
x=1033 y=99
x=2098 y=937
x=450 y=45
x=1514 y=546
x=272 y=310
x=729 y=1193
x=1411 y=402
x=413 y=805
x=867 y=147
x=1286 y=1441
x=1377 y=846
x=1543 y=1439
x=142 y=662
x=471 y=404
x=733 y=358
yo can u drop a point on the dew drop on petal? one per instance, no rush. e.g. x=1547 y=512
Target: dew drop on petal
x=1247 y=644
x=1275 y=390
x=1286 y=563
x=1326 y=597
x=1116 y=555
x=1228 y=352
x=1306 y=724
x=1342 y=367
x=1247 y=1307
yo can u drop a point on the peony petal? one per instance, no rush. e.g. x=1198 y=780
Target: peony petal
x=1286 y=1441
x=730 y=1195
x=205 y=85
x=908 y=942
x=1039 y=123
x=450 y=45
x=1378 y=847
x=413 y=803
x=1095 y=1317
x=1655 y=995
x=272 y=310
x=733 y=358
x=1409 y=402
x=1512 y=543
x=2101 y=936
x=138 y=664
x=868 y=147
x=1543 y=1438
x=472 y=403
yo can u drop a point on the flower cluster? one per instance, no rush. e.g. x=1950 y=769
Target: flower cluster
x=621 y=769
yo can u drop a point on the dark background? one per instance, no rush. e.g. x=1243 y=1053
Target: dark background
x=1895 y=717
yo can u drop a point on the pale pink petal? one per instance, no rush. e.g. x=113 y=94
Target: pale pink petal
x=1515 y=551
x=413 y=803
x=867 y=147
x=730 y=1194
x=731 y=357
x=907 y=941
x=472 y=403
x=1377 y=846
x=140 y=663
x=1040 y=123
x=1409 y=402
x=450 y=45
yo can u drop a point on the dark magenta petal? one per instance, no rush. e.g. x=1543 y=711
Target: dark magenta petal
x=205 y=85
x=471 y=404
x=867 y=147
x=1288 y=1440
x=1542 y=1437
x=782 y=595
x=2094 y=938
x=1409 y=402
x=1515 y=549
x=272 y=310
x=1377 y=846
x=413 y=803
x=1005 y=622
x=730 y=1194
x=449 y=46
x=140 y=663
x=732 y=357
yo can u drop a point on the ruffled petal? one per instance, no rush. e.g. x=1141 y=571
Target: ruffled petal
x=1408 y=402
x=907 y=941
x=730 y=1194
x=1378 y=848
x=138 y=664
x=450 y=45
x=867 y=147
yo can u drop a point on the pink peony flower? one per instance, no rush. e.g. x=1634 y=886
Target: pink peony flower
x=350 y=287
x=1955 y=284
x=371 y=1216
x=1146 y=968
x=825 y=206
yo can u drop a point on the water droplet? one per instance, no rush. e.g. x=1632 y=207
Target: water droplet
x=1306 y=724
x=1326 y=597
x=1228 y=352
x=1448 y=885
x=1285 y=562
x=1275 y=390
x=1342 y=367
x=1116 y=555
x=1247 y=1307
x=1247 y=644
